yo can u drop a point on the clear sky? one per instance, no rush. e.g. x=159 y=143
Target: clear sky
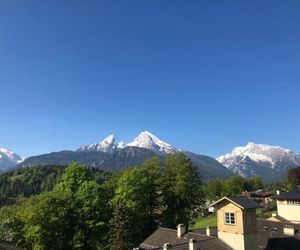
x=205 y=76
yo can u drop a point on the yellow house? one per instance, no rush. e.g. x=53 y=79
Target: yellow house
x=236 y=219
x=288 y=206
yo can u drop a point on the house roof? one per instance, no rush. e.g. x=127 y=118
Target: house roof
x=270 y=236
x=242 y=202
x=257 y=194
x=295 y=194
x=166 y=235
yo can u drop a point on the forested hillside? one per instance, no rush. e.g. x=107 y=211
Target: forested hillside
x=24 y=182
x=86 y=210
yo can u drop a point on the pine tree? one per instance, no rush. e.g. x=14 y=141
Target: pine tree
x=120 y=230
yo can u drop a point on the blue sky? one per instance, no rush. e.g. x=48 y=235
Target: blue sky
x=205 y=76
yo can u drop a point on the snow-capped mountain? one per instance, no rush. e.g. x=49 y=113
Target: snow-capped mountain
x=144 y=140
x=108 y=145
x=260 y=159
x=8 y=159
x=152 y=142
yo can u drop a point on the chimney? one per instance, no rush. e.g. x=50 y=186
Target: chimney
x=166 y=246
x=208 y=233
x=278 y=192
x=289 y=230
x=180 y=230
x=192 y=244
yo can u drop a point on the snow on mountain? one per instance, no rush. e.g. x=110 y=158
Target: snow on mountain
x=254 y=158
x=144 y=140
x=8 y=159
x=108 y=145
x=152 y=142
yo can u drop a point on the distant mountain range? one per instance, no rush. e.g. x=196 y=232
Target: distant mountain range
x=269 y=162
x=144 y=140
x=112 y=156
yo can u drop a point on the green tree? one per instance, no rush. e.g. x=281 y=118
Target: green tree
x=91 y=216
x=44 y=222
x=134 y=192
x=215 y=189
x=74 y=215
x=154 y=172
x=121 y=234
x=293 y=178
x=181 y=190
x=256 y=183
x=235 y=185
x=73 y=177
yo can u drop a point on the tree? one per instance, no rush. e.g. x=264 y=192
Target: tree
x=293 y=178
x=73 y=177
x=134 y=192
x=44 y=222
x=74 y=215
x=181 y=190
x=121 y=235
x=154 y=172
x=235 y=185
x=91 y=216
x=256 y=183
x=215 y=189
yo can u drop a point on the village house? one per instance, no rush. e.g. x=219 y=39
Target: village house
x=237 y=229
x=264 y=198
x=288 y=207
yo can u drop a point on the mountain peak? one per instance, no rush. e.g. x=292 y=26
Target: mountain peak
x=245 y=159
x=8 y=158
x=108 y=140
x=262 y=149
x=150 y=141
x=107 y=145
x=144 y=140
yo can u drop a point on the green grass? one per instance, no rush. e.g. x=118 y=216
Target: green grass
x=202 y=222
x=261 y=214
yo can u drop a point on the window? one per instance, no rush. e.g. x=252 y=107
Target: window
x=230 y=218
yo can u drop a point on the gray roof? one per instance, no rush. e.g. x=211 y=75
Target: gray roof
x=245 y=202
x=270 y=236
x=295 y=194
x=166 y=235
x=242 y=202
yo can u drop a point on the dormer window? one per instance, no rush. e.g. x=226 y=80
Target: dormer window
x=230 y=218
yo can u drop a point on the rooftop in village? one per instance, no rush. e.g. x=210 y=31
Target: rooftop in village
x=242 y=202
x=293 y=195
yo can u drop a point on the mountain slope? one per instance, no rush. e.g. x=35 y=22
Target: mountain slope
x=269 y=162
x=126 y=157
x=209 y=167
x=129 y=156
x=8 y=159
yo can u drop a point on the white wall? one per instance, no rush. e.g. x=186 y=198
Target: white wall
x=239 y=241
x=289 y=212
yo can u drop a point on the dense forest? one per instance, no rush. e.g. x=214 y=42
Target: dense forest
x=77 y=207
x=81 y=208
x=24 y=182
